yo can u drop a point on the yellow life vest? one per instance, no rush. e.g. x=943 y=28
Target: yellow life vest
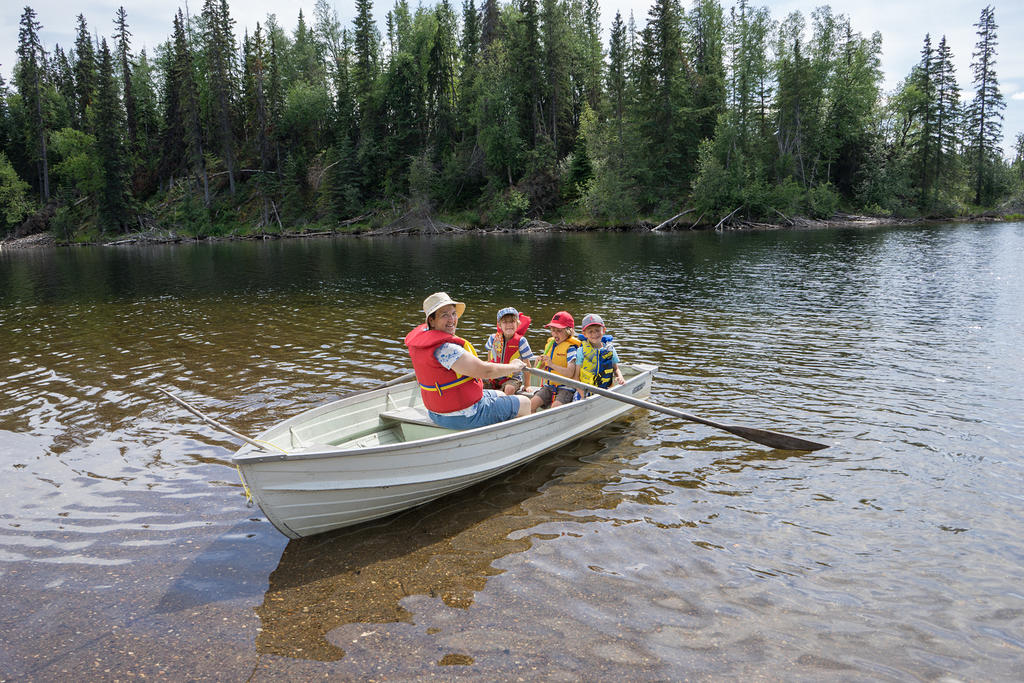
x=598 y=367
x=557 y=355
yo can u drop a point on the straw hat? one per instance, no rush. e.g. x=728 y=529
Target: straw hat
x=439 y=299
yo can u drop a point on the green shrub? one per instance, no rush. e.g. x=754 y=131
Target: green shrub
x=876 y=210
x=822 y=201
x=191 y=217
x=509 y=208
x=787 y=198
x=610 y=197
x=14 y=201
x=715 y=190
x=63 y=223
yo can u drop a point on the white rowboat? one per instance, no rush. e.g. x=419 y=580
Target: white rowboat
x=377 y=453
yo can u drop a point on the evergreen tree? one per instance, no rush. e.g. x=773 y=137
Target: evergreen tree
x=489 y=23
x=947 y=117
x=365 y=42
x=618 y=76
x=581 y=169
x=470 y=43
x=123 y=47
x=146 y=101
x=461 y=174
x=749 y=88
x=219 y=46
x=64 y=81
x=1018 y=149
x=274 y=90
x=797 y=101
x=527 y=49
x=441 y=86
x=345 y=103
x=578 y=42
x=927 y=113
x=329 y=41
x=633 y=40
x=173 y=155
x=5 y=120
x=706 y=28
x=85 y=75
x=519 y=112
x=403 y=122
x=344 y=183
x=830 y=94
x=307 y=64
x=29 y=78
x=556 y=95
x=664 y=101
x=852 y=87
x=496 y=117
x=188 y=106
x=592 y=55
x=257 y=117
x=985 y=112
x=113 y=200
x=401 y=28
x=147 y=125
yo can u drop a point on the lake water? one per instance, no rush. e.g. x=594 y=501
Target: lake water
x=653 y=549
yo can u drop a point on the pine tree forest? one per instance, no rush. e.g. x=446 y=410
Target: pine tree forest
x=491 y=116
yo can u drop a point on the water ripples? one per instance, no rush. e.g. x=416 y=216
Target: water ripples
x=656 y=540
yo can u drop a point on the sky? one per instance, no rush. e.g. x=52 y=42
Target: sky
x=903 y=24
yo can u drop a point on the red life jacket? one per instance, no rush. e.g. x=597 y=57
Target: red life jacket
x=504 y=352
x=443 y=390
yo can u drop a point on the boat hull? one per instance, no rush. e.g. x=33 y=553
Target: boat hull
x=347 y=462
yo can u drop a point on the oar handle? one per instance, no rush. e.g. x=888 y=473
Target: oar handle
x=390 y=383
x=252 y=442
x=761 y=436
x=398 y=380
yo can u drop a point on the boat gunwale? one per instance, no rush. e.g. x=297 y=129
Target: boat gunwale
x=248 y=455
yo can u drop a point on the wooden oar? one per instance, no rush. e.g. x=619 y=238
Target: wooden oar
x=761 y=436
x=213 y=423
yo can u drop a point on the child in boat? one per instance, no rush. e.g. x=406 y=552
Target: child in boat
x=507 y=343
x=596 y=360
x=560 y=358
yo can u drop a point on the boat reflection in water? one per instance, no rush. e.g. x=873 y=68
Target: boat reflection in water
x=444 y=549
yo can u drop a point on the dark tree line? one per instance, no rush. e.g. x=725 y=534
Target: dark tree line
x=492 y=114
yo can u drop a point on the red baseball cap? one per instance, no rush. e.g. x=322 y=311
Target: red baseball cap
x=561 y=319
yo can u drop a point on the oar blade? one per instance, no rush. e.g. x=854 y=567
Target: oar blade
x=761 y=436
x=772 y=439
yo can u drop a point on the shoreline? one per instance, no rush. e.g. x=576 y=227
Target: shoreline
x=42 y=240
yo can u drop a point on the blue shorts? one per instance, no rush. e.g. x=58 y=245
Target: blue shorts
x=495 y=406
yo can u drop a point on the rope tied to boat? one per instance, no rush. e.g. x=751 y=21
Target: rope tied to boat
x=248 y=494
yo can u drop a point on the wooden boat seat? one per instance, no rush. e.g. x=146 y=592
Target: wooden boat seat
x=409 y=415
